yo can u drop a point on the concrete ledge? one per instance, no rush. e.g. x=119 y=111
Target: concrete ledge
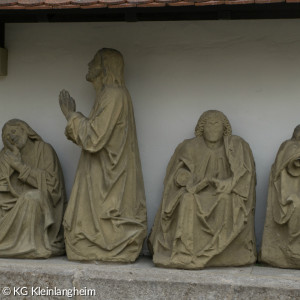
x=143 y=281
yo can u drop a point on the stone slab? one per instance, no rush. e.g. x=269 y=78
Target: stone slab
x=142 y=280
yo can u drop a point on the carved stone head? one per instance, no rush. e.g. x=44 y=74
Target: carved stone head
x=109 y=65
x=16 y=132
x=213 y=125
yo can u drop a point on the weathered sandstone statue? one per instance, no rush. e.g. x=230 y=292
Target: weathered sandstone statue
x=281 y=238
x=206 y=216
x=106 y=214
x=32 y=195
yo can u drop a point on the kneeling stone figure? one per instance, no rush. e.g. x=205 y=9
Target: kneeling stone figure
x=206 y=216
x=106 y=214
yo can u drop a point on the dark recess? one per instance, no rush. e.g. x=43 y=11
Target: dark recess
x=211 y=12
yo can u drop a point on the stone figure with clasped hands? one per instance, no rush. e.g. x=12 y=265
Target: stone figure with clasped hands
x=106 y=214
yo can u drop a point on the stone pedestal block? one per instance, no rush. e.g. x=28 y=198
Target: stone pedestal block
x=142 y=281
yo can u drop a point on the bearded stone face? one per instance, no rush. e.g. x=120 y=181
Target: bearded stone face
x=95 y=68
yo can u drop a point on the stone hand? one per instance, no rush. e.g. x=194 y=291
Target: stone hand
x=13 y=159
x=67 y=103
x=13 y=148
x=223 y=186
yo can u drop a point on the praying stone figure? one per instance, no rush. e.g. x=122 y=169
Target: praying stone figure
x=106 y=215
x=32 y=195
x=281 y=238
x=206 y=217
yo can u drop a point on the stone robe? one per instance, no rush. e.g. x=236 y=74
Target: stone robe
x=106 y=215
x=281 y=238
x=32 y=205
x=198 y=228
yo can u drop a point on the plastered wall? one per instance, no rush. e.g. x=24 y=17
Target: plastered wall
x=250 y=70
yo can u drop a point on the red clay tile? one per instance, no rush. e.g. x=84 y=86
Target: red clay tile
x=84 y=2
x=268 y=1
x=90 y=4
x=123 y=5
x=181 y=3
x=12 y=7
x=152 y=4
x=139 y=1
x=166 y=1
x=36 y=7
x=57 y=2
x=8 y=2
x=66 y=6
x=99 y=5
x=110 y=2
x=238 y=2
x=212 y=2
x=195 y=1
x=31 y=2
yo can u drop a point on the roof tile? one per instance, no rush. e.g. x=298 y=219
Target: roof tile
x=57 y=2
x=35 y=7
x=66 y=6
x=31 y=2
x=139 y=1
x=90 y=4
x=152 y=4
x=196 y=1
x=181 y=3
x=84 y=2
x=167 y=1
x=268 y=1
x=238 y=2
x=110 y=2
x=12 y=7
x=8 y=2
x=98 y=5
x=210 y=2
x=122 y=5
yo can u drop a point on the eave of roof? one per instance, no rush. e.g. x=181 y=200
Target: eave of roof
x=95 y=4
x=32 y=11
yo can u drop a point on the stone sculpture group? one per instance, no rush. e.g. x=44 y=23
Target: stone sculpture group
x=206 y=217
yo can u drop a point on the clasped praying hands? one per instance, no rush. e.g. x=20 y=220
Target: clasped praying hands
x=67 y=103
